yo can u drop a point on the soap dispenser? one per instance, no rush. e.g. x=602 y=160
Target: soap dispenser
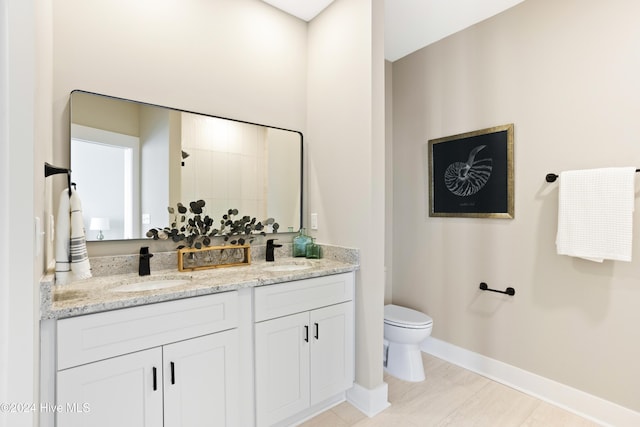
x=313 y=250
x=300 y=243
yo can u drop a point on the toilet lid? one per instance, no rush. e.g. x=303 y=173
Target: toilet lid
x=403 y=316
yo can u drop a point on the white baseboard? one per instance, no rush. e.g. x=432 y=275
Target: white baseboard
x=583 y=404
x=369 y=402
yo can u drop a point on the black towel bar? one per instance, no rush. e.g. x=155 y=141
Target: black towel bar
x=551 y=177
x=508 y=291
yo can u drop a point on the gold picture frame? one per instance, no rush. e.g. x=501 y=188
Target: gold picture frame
x=471 y=174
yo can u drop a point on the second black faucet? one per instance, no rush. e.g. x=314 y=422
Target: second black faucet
x=144 y=268
x=270 y=247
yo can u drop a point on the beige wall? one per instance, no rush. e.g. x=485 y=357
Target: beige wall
x=346 y=157
x=566 y=74
x=243 y=59
x=388 y=165
x=240 y=59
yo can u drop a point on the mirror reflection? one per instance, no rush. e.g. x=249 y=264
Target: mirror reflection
x=131 y=160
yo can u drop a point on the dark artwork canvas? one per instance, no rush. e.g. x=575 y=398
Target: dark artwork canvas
x=471 y=174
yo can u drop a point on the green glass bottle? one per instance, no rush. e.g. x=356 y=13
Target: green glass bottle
x=313 y=250
x=300 y=243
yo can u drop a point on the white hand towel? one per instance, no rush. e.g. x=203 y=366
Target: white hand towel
x=72 y=261
x=63 y=240
x=595 y=213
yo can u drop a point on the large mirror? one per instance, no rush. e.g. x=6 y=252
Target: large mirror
x=131 y=160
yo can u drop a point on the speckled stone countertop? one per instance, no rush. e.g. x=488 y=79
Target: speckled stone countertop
x=97 y=294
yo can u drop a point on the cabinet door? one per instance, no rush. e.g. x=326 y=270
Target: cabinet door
x=282 y=367
x=113 y=392
x=332 y=347
x=201 y=381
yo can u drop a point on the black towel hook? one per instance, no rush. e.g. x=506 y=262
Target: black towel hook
x=54 y=170
x=509 y=291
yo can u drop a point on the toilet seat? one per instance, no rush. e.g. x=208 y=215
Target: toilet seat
x=404 y=317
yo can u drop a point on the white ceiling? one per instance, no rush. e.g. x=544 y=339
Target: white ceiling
x=412 y=24
x=303 y=9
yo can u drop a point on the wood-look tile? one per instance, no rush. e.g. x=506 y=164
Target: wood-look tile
x=452 y=396
x=493 y=405
x=548 y=415
x=385 y=419
x=327 y=418
x=434 y=399
x=348 y=413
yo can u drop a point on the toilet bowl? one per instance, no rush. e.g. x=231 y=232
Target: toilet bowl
x=404 y=330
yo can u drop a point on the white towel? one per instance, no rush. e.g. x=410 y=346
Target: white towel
x=72 y=261
x=595 y=213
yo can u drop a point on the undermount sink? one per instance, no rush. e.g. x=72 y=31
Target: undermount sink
x=149 y=285
x=287 y=267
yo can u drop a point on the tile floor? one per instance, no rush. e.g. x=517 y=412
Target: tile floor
x=452 y=396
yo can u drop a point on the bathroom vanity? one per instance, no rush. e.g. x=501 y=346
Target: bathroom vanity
x=114 y=362
x=304 y=346
x=266 y=344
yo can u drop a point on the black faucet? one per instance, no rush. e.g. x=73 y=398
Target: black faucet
x=270 y=247
x=144 y=269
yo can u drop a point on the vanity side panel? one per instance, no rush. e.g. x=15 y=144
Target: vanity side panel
x=47 y=370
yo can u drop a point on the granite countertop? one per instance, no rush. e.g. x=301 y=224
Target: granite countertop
x=96 y=294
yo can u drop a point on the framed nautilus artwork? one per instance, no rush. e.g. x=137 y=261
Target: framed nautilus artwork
x=471 y=174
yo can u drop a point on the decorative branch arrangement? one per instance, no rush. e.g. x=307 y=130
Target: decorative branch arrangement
x=196 y=229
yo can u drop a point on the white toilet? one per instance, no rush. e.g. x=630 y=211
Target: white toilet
x=404 y=330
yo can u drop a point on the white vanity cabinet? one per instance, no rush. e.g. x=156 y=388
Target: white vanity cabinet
x=304 y=346
x=167 y=364
x=116 y=391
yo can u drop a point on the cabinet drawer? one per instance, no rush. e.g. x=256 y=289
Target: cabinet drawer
x=98 y=336
x=302 y=295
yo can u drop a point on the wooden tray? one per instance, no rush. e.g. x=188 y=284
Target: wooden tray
x=192 y=259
